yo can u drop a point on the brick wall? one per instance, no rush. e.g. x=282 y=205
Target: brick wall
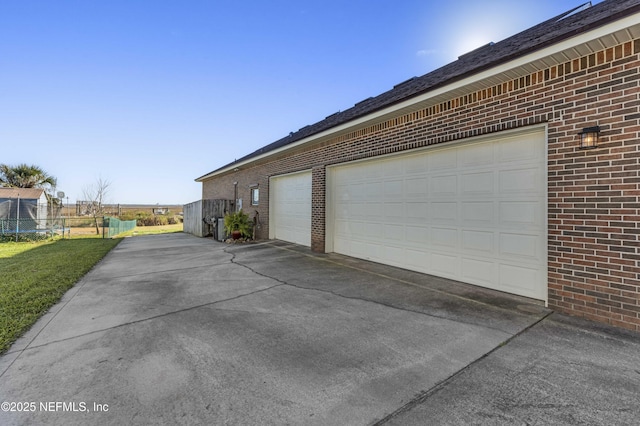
x=224 y=188
x=593 y=194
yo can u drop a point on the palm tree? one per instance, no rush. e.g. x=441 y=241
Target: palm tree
x=24 y=176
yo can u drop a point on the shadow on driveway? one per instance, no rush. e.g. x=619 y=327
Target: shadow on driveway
x=173 y=329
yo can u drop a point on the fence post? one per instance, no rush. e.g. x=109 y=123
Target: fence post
x=103 y=227
x=18 y=218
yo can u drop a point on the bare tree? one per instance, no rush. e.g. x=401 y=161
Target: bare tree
x=95 y=196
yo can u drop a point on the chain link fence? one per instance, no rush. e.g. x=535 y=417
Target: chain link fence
x=26 y=219
x=30 y=229
x=116 y=226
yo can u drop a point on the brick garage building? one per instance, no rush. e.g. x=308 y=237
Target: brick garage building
x=474 y=171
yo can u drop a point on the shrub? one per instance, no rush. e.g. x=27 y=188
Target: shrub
x=144 y=218
x=129 y=216
x=238 y=221
x=23 y=238
x=161 y=220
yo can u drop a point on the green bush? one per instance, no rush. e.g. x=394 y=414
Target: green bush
x=143 y=218
x=24 y=237
x=129 y=216
x=161 y=220
x=238 y=221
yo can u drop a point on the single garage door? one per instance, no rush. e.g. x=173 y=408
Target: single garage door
x=473 y=212
x=290 y=208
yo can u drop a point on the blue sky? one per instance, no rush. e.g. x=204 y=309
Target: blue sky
x=153 y=94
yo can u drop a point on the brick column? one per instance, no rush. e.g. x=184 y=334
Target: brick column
x=318 y=203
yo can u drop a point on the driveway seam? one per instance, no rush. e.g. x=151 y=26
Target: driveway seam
x=166 y=314
x=399 y=308
x=159 y=272
x=425 y=395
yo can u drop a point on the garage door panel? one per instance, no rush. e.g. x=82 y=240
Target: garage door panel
x=520 y=215
x=520 y=246
x=356 y=192
x=472 y=212
x=478 y=213
x=342 y=245
x=519 y=181
x=342 y=227
x=478 y=241
x=477 y=184
x=373 y=212
x=393 y=211
x=365 y=250
x=414 y=164
x=416 y=236
x=417 y=187
x=444 y=185
x=442 y=160
x=443 y=212
x=524 y=148
x=520 y=280
x=393 y=189
x=342 y=211
x=418 y=260
x=343 y=190
x=446 y=265
x=358 y=209
x=479 y=271
x=366 y=231
x=391 y=170
x=416 y=212
x=396 y=255
x=476 y=155
x=394 y=232
x=444 y=237
x=373 y=189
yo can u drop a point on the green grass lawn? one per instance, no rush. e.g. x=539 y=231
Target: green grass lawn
x=34 y=276
x=151 y=230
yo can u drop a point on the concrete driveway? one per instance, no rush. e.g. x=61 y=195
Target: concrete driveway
x=173 y=329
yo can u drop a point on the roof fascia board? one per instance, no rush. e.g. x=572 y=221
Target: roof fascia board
x=549 y=51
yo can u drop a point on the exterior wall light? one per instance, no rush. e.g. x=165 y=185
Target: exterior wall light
x=589 y=137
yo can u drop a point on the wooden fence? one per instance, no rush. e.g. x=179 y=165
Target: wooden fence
x=200 y=217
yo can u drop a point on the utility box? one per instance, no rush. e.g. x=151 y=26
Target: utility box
x=222 y=234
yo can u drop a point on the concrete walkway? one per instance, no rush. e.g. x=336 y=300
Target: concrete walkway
x=172 y=329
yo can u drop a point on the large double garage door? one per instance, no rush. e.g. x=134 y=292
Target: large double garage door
x=472 y=212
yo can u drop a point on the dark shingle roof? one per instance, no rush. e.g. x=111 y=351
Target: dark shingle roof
x=552 y=31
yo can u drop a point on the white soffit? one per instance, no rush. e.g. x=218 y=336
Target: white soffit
x=609 y=35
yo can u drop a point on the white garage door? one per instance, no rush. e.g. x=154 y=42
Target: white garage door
x=472 y=212
x=290 y=208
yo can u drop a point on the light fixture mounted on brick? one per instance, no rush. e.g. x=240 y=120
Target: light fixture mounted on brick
x=589 y=137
